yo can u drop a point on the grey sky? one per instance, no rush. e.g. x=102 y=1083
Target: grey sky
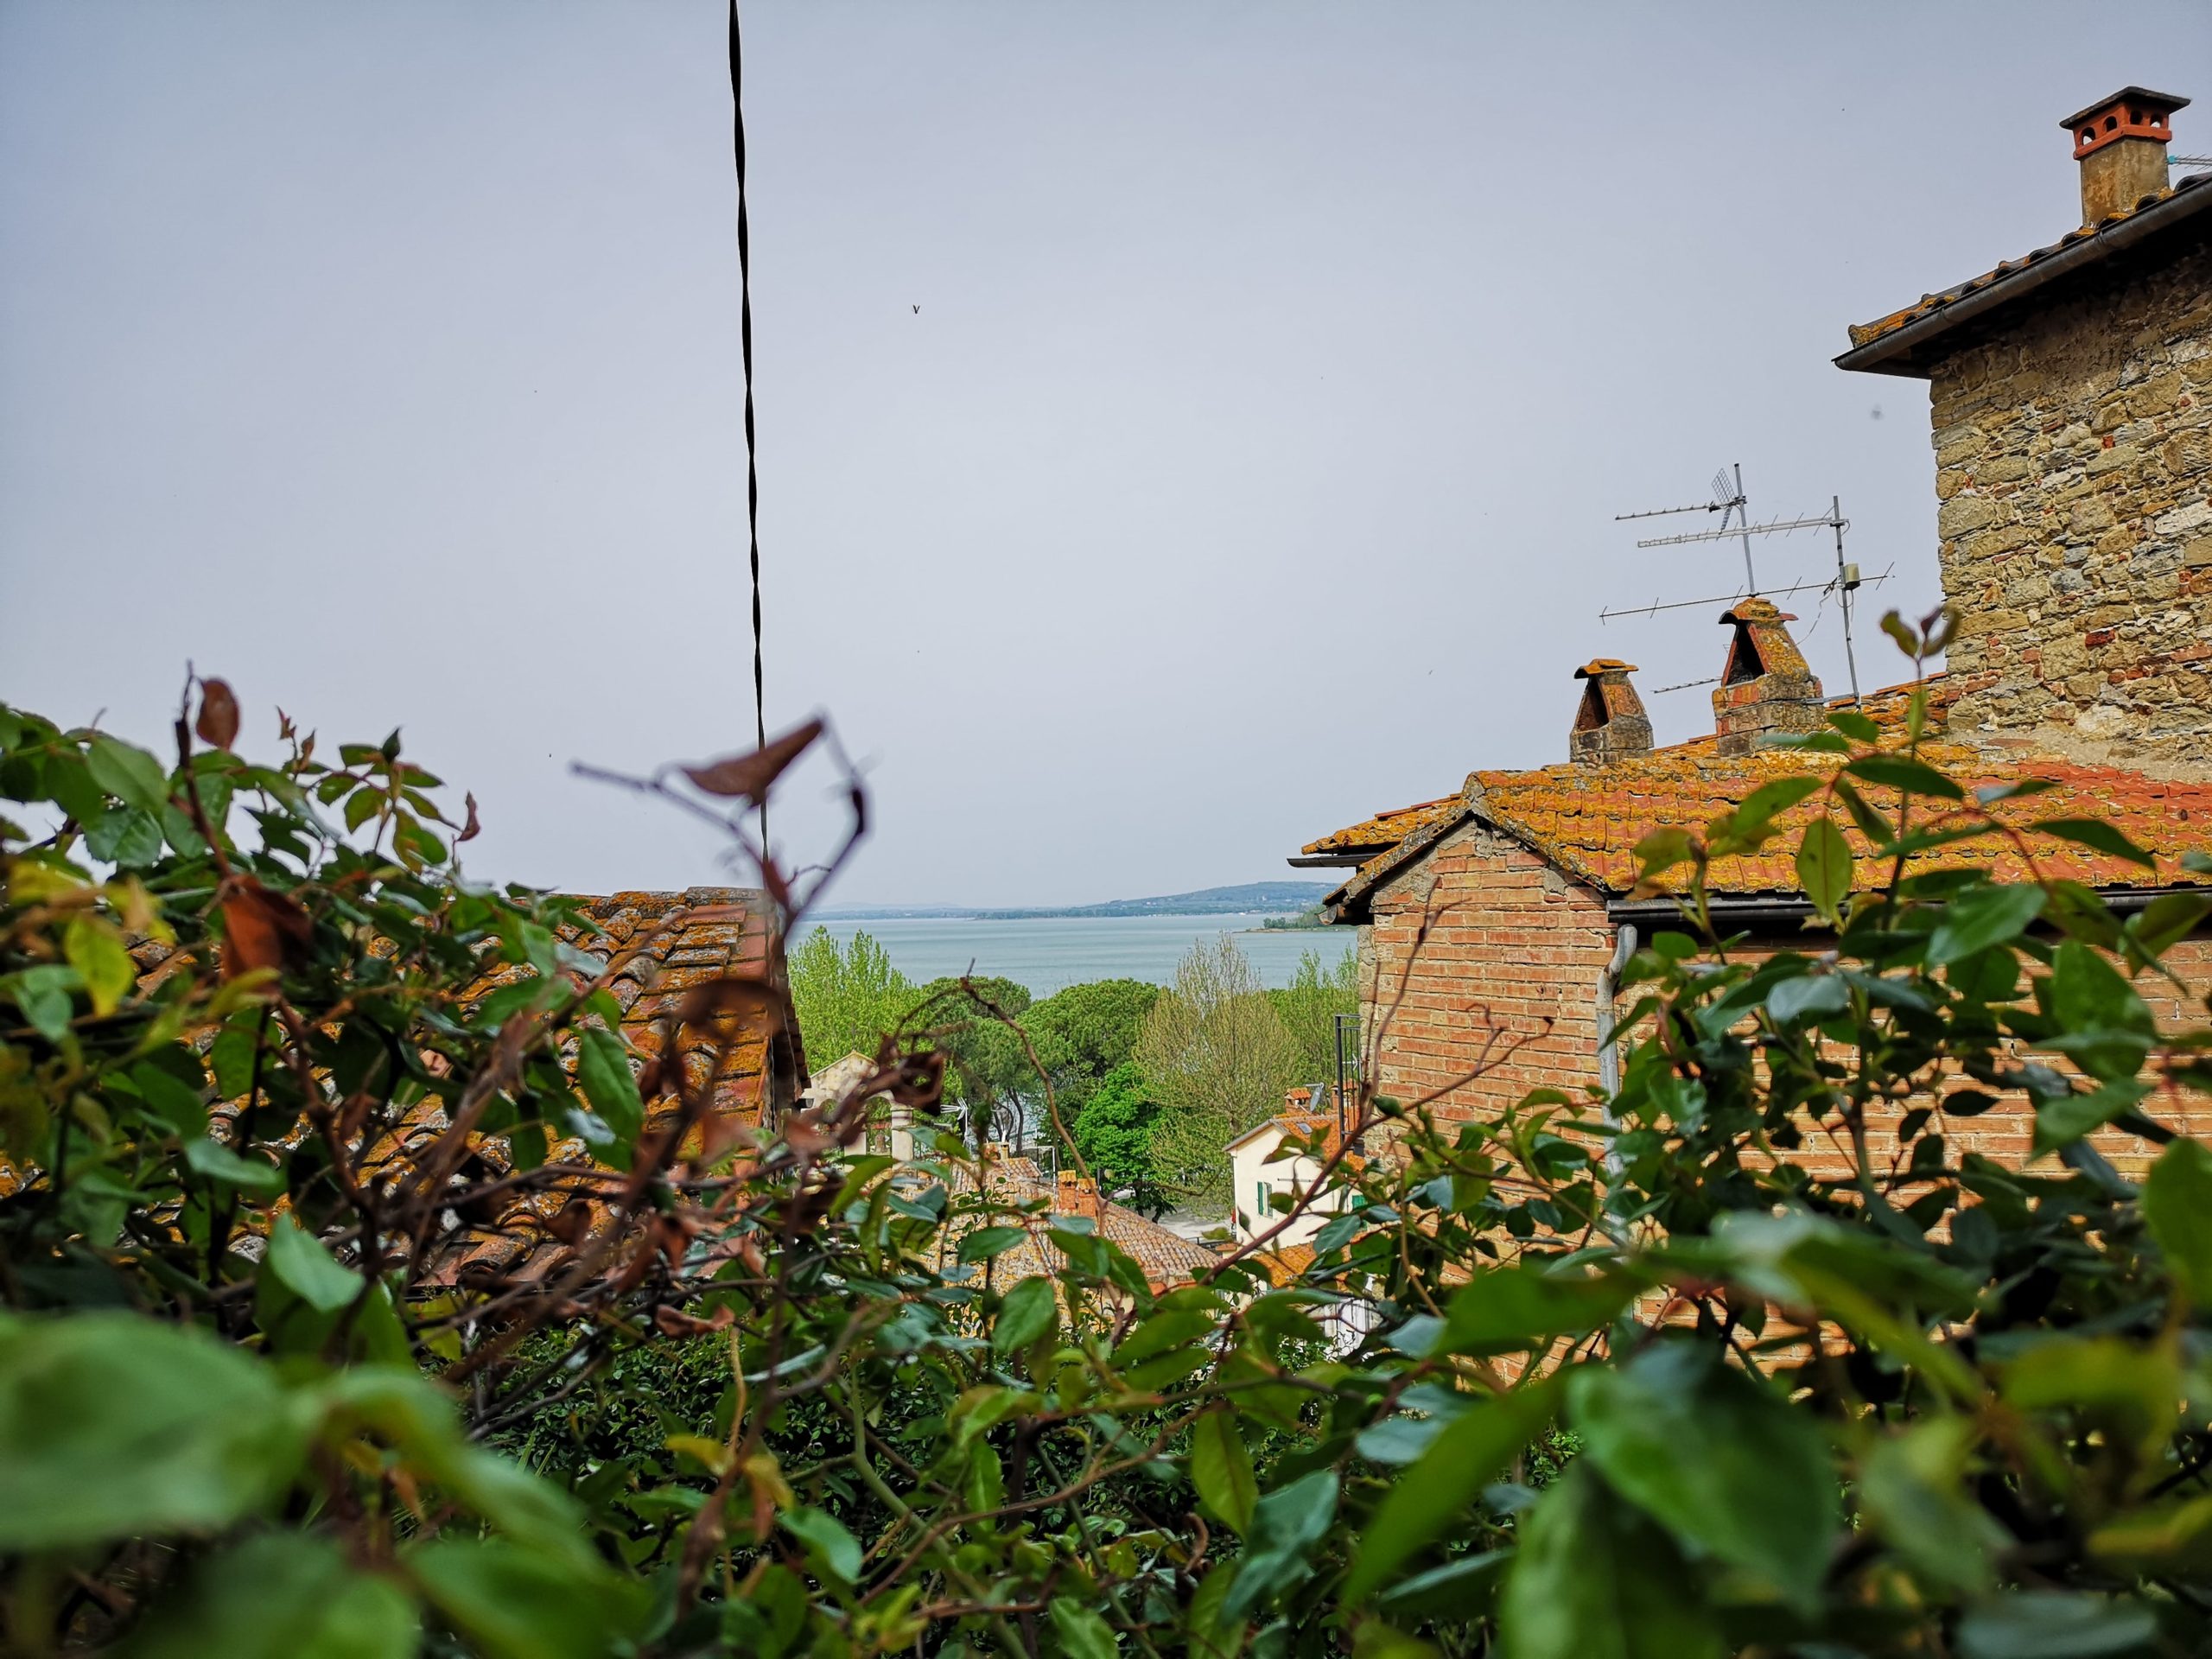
x=1249 y=467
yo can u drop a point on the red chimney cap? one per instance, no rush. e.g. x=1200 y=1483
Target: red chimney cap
x=1601 y=666
x=2131 y=112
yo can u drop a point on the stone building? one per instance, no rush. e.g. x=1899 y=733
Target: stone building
x=2070 y=392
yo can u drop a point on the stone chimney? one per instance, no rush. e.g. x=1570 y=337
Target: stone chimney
x=1610 y=723
x=1076 y=1196
x=1766 y=691
x=2120 y=141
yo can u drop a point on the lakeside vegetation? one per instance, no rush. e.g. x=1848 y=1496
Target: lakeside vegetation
x=1149 y=1083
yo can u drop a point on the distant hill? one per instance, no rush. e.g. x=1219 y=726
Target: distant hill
x=1253 y=898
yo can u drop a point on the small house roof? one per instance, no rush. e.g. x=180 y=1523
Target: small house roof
x=1586 y=821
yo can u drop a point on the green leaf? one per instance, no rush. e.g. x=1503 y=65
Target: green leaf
x=833 y=1546
x=170 y=1099
x=1083 y=1634
x=310 y=1272
x=95 y=949
x=1462 y=1588
x=987 y=1241
x=1982 y=916
x=2104 y=1026
x=1824 y=863
x=603 y=1070
x=1808 y=996
x=1463 y=1458
x=514 y=1602
x=1286 y=1525
x=1509 y=1308
x=1662 y=850
x=1750 y=821
x=129 y=774
x=2050 y=1624
x=2098 y=837
x=2064 y=1120
x=1913 y=1486
x=128 y=837
x=283 y=1595
x=1594 y=1580
x=113 y=1426
x=362 y=806
x=42 y=993
x=1879 y=833
x=1853 y=724
x=219 y=1163
x=2167 y=921
x=1028 y=1313
x=1913 y=777
x=1726 y=1466
x=1221 y=1468
x=2177 y=1204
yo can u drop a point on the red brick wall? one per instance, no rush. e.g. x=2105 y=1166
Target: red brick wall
x=1504 y=983
x=1509 y=962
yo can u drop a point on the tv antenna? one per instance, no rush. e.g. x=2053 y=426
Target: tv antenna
x=1731 y=501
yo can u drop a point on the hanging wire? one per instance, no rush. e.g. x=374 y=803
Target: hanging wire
x=744 y=337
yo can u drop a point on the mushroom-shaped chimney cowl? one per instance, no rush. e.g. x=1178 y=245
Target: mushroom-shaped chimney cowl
x=1766 y=689
x=1610 y=723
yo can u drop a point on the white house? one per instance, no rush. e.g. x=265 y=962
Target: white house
x=1258 y=1176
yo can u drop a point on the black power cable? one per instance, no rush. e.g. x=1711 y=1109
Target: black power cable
x=745 y=336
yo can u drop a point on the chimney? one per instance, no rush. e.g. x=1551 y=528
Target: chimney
x=2120 y=141
x=1610 y=723
x=1076 y=1197
x=1766 y=691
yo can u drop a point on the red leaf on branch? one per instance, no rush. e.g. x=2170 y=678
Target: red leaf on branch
x=262 y=929
x=470 y=830
x=753 y=774
x=218 y=714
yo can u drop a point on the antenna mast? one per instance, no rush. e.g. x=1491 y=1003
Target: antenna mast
x=1730 y=501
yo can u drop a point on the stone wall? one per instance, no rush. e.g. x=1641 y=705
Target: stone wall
x=2074 y=449
x=1499 y=996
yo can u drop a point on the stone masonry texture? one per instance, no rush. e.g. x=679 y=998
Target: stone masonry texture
x=2074 y=454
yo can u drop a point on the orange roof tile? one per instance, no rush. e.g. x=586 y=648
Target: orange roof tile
x=1586 y=820
x=1383 y=830
x=1165 y=1258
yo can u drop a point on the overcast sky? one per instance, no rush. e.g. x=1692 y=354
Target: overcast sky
x=1249 y=466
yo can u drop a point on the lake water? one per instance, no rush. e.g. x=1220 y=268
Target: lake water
x=1047 y=953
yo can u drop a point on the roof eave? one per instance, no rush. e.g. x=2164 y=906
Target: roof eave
x=1898 y=351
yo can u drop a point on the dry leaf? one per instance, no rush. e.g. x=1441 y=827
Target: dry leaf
x=262 y=929
x=218 y=714
x=470 y=830
x=753 y=774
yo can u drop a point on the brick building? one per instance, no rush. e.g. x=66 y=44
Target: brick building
x=2070 y=392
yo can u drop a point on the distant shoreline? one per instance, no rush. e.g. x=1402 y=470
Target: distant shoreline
x=1281 y=899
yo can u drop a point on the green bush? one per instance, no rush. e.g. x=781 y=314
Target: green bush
x=1596 y=1377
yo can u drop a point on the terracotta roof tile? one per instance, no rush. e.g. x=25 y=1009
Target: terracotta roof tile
x=1586 y=820
x=1383 y=830
x=1929 y=304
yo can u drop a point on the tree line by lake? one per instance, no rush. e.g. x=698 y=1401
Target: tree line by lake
x=1149 y=1083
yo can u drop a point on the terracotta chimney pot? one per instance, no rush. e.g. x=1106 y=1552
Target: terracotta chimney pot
x=1766 y=690
x=2120 y=141
x=1610 y=723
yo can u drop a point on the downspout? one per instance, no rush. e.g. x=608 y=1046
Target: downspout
x=1609 y=1058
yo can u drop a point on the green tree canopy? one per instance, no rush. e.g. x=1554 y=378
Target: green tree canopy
x=1318 y=993
x=1219 y=1057
x=1084 y=1032
x=987 y=1072
x=1113 y=1131
x=849 y=996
